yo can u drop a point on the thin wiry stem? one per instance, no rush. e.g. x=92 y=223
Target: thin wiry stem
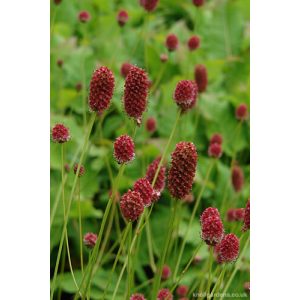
x=80 y=227
x=92 y=120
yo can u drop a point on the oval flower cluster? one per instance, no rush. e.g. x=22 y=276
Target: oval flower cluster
x=183 y=168
x=226 y=245
x=185 y=94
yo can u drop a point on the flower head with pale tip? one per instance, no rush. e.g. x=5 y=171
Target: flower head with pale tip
x=101 y=89
x=151 y=124
x=90 y=240
x=122 y=17
x=131 y=205
x=166 y=272
x=185 y=94
x=215 y=150
x=183 y=168
x=60 y=133
x=124 y=149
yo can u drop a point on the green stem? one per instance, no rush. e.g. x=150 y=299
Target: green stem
x=167 y=147
x=235 y=268
x=211 y=256
x=157 y=81
x=219 y=282
x=129 y=265
x=91 y=263
x=116 y=259
x=186 y=268
x=62 y=268
x=157 y=277
x=150 y=247
x=92 y=120
x=80 y=226
x=192 y=218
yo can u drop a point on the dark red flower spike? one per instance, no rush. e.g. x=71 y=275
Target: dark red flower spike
x=101 y=89
x=247 y=217
x=212 y=230
x=241 y=112
x=166 y=272
x=164 y=294
x=182 y=290
x=237 y=178
x=215 y=150
x=81 y=170
x=136 y=92
x=137 y=297
x=151 y=124
x=183 y=168
x=194 y=42
x=235 y=214
x=149 y=5
x=216 y=138
x=84 y=16
x=198 y=2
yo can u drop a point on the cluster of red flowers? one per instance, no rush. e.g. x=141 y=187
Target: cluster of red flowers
x=226 y=246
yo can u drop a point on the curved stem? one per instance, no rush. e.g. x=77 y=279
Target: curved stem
x=158 y=274
x=92 y=120
x=129 y=265
x=192 y=218
x=219 y=281
x=116 y=259
x=211 y=256
x=80 y=226
x=186 y=268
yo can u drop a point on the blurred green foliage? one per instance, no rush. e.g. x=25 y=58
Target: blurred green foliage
x=223 y=26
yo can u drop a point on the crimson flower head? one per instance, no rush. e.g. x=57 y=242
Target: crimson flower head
x=198 y=2
x=125 y=68
x=166 y=272
x=122 y=17
x=247 y=217
x=235 y=214
x=209 y=212
x=241 y=112
x=81 y=170
x=57 y=2
x=172 y=42
x=144 y=187
x=90 y=240
x=212 y=230
x=149 y=5
x=124 y=149
x=131 y=205
x=183 y=168
x=164 y=57
x=101 y=89
x=159 y=184
x=185 y=94
x=151 y=125
x=60 y=133
x=60 y=63
x=164 y=294
x=84 y=16
x=237 y=178
x=182 y=290
x=136 y=92
x=215 y=150
x=137 y=297
x=228 y=249
x=200 y=75
x=216 y=138
x=194 y=42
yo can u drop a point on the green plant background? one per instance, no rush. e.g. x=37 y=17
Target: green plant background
x=224 y=30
